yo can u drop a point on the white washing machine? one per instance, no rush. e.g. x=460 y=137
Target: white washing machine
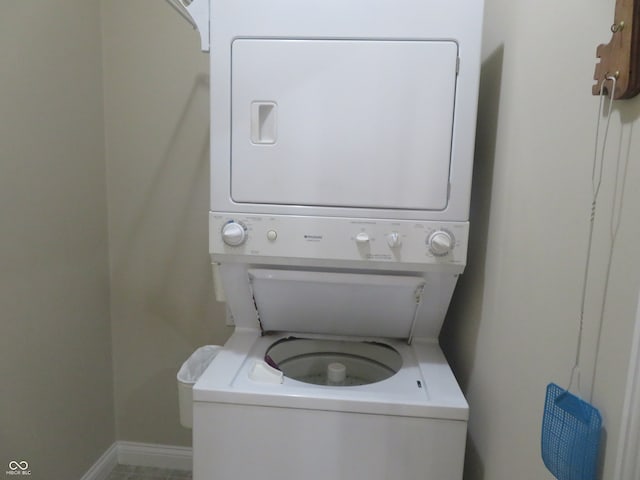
x=331 y=374
x=342 y=138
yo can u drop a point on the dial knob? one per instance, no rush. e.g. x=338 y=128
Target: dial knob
x=362 y=238
x=394 y=240
x=233 y=234
x=440 y=243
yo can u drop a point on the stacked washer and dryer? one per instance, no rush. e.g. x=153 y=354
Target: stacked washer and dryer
x=342 y=140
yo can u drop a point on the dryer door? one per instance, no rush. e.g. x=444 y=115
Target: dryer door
x=343 y=123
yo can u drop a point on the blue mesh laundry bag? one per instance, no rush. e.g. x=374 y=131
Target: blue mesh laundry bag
x=571 y=430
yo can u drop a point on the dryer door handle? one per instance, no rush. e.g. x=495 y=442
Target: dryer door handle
x=264 y=123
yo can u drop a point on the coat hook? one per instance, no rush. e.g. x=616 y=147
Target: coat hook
x=621 y=56
x=617 y=27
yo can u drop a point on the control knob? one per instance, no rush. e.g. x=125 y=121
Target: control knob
x=362 y=238
x=440 y=243
x=394 y=240
x=234 y=234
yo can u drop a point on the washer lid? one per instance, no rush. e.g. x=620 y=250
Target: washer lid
x=336 y=303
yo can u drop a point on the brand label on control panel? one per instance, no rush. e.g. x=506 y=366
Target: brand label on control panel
x=313 y=238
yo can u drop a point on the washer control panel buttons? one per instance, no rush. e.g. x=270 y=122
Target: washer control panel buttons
x=234 y=233
x=347 y=242
x=394 y=240
x=362 y=238
x=440 y=243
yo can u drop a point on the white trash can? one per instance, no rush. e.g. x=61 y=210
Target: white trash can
x=188 y=375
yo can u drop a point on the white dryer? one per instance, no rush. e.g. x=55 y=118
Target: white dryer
x=342 y=138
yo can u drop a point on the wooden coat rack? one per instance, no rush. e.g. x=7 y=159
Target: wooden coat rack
x=621 y=56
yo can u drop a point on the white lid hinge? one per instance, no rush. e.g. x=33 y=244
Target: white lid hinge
x=196 y=12
x=418 y=298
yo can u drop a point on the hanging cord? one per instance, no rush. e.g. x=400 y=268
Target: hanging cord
x=614 y=226
x=596 y=181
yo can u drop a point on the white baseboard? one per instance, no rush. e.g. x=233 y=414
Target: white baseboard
x=140 y=454
x=103 y=466
x=151 y=455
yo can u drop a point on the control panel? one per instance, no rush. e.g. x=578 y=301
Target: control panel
x=236 y=237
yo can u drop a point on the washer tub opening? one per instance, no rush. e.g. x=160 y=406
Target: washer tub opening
x=334 y=362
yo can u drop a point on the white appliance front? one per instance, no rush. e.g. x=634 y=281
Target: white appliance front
x=411 y=425
x=360 y=109
x=267 y=405
x=274 y=443
x=342 y=123
x=342 y=139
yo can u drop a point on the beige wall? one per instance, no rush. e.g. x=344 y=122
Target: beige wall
x=157 y=128
x=512 y=327
x=56 y=400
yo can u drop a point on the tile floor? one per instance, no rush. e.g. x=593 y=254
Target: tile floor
x=131 y=472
